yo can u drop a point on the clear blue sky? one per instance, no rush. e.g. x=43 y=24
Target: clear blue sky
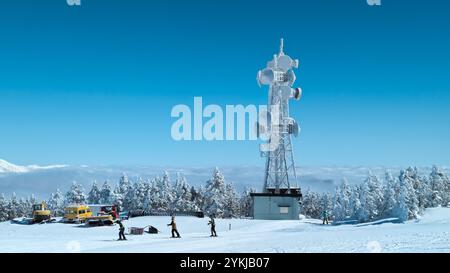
x=95 y=84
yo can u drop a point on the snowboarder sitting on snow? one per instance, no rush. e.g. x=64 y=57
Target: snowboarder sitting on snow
x=121 y=231
x=325 y=217
x=174 y=228
x=213 y=226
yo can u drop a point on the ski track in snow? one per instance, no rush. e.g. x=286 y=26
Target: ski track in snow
x=429 y=234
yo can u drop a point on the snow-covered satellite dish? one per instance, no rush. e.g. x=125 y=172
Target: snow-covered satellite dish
x=293 y=127
x=266 y=76
x=284 y=62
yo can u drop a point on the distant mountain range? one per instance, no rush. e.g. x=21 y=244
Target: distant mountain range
x=6 y=167
x=42 y=180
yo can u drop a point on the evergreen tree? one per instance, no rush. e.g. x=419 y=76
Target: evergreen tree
x=164 y=195
x=231 y=209
x=246 y=203
x=391 y=193
x=311 y=206
x=4 y=212
x=75 y=195
x=401 y=209
x=139 y=194
x=183 y=200
x=214 y=203
x=361 y=213
x=423 y=192
x=326 y=203
x=439 y=187
x=408 y=181
x=14 y=207
x=374 y=197
x=198 y=197
x=338 y=207
x=117 y=198
x=105 y=193
x=94 y=194
x=56 y=203
x=355 y=203
x=124 y=192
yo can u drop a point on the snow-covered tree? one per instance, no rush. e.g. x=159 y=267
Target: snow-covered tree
x=198 y=196
x=117 y=198
x=94 y=194
x=423 y=193
x=14 y=207
x=439 y=187
x=75 y=195
x=124 y=192
x=139 y=194
x=183 y=200
x=311 y=206
x=4 y=213
x=56 y=203
x=355 y=203
x=326 y=203
x=215 y=195
x=374 y=197
x=409 y=183
x=391 y=192
x=401 y=209
x=231 y=209
x=164 y=193
x=342 y=208
x=151 y=195
x=246 y=203
x=105 y=193
x=360 y=211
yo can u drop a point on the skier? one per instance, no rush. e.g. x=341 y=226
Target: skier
x=213 y=226
x=174 y=228
x=121 y=231
x=325 y=217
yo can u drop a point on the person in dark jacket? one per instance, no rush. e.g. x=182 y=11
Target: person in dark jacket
x=174 y=228
x=213 y=226
x=325 y=217
x=121 y=231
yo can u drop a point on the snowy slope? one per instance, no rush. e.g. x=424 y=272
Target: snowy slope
x=429 y=234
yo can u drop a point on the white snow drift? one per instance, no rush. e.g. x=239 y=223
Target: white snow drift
x=431 y=233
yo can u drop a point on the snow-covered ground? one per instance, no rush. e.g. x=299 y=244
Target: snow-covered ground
x=429 y=234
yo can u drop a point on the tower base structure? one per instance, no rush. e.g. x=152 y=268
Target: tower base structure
x=276 y=205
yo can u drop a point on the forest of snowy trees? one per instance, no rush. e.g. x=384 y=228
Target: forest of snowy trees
x=159 y=194
x=403 y=197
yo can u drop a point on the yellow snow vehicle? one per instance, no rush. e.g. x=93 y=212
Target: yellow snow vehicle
x=41 y=213
x=77 y=214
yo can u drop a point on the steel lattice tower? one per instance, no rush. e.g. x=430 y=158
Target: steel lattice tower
x=280 y=174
